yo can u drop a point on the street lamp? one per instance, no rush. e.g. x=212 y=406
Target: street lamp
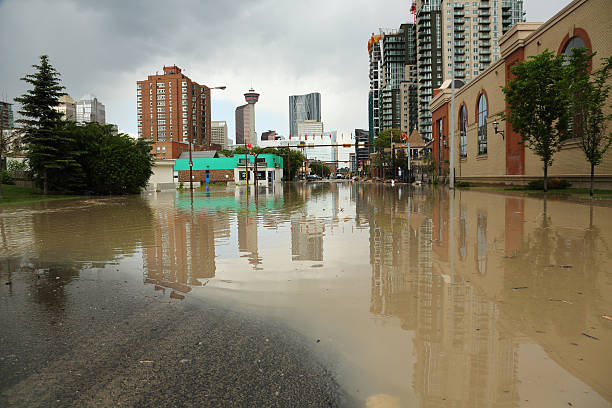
x=495 y=128
x=193 y=104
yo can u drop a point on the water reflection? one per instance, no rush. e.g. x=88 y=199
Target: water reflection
x=498 y=298
x=469 y=314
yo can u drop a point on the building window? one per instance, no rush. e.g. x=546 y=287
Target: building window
x=482 y=124
x=574 y=42
x=163 y=149
x=463 y=131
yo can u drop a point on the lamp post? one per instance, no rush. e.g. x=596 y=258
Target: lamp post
x=495 y=128
x=193 y=104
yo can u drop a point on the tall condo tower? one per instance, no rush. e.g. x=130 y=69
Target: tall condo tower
x=251 y=98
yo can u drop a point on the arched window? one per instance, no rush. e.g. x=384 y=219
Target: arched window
x=482 y=124
x=463 y=131
x=574 y=42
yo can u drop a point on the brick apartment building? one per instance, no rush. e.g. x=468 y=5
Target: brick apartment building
x=172 y=109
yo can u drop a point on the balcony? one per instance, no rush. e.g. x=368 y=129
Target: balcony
x=460 y=66
x=459 y=28
x=484 y=66
x=484 y=43
x=506 y=5
x=459 y=74
x=459 y=51
x=459 y=21
x=485 y=59
x=458 y=13
x=483 y=5
x=484 y=13
x=507 y=21
x=459 y=43
x=458 y=6
x=459 y=37
x=484 y=51
x=484 y=36
x=484 y=21
x=460 y=59
x=484 y=28
x=506 y=13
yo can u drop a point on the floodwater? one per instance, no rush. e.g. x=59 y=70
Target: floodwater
x=414 y=297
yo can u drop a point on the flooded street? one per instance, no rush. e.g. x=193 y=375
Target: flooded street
x=402 y=296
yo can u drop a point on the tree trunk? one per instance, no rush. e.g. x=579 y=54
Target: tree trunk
x=45 y=183
x=592 y=179
x=545 y=176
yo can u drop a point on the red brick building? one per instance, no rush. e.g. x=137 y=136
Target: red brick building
x=172 y=109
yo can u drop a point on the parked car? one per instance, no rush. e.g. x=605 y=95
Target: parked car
x=313 y=177
x=339 y=176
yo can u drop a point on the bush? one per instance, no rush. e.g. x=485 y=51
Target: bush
x=462 y=184
x=553 y=184
x=5 y=178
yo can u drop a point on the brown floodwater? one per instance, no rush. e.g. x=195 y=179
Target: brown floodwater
x=416 y=297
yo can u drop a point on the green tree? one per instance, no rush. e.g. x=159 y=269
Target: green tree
x=111 y=163
x=45 y=144
x=537 y=104
x=383 y=139
x=320 y=169
x=588 y=95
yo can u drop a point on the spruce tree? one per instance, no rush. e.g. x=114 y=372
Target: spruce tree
x=48 y=147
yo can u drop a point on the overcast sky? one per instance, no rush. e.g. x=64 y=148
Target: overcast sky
x=280 y=47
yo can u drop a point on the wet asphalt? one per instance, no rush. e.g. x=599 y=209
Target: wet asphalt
x=87 y=342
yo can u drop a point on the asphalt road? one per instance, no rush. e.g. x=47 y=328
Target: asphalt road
x=69 y=341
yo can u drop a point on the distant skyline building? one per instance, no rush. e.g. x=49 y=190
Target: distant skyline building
x=308 y=127
x=303 y=108
x=251 y=98
x=173 y=108
x=243 y=125
x=270 y=135
x=90 y=110
x=362 y=154
x=6 y=116
x=218 y=133
x=67 y=107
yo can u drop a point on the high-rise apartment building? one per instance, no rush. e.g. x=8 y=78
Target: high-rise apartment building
x=474 y=28
x=374 y=96
x=429 y=61
x=6 y=115
x=90 y=110
x=218 y=133
x=303 y=108
x=173 y=108
x=393 y=83
x=243 y=125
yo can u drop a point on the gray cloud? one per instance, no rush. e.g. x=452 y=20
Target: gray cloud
x=281 y=47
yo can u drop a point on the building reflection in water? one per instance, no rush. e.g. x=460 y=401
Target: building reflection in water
x=307 y=239
x=183 y=252
x=467 y=319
